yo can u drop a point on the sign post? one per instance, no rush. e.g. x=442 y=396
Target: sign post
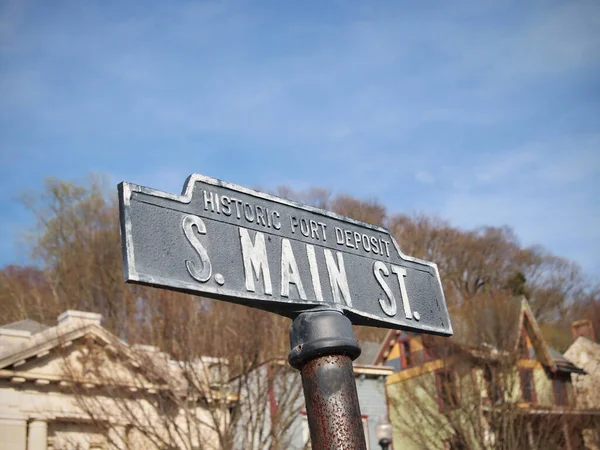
x=322 y=348
x=324 y=271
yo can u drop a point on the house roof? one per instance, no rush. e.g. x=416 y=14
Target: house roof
x=501 y=333
x=52 y=337
x=563 y=363
x=29 y=325
x=18 y=358
x=388 y=342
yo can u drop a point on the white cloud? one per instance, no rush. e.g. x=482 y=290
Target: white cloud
x=423 y=176
x=501 y=167
x=578 y=160
x=547 y=194
x=340 y=133
x=537 y=219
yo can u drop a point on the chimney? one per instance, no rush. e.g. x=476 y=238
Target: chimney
x=583 y=328
x=79 y=318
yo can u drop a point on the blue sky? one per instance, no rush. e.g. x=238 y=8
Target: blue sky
x=482 y=112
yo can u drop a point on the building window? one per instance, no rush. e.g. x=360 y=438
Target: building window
x=446 y=389
x=527 y=386
x=493 y=386
x=559 y=385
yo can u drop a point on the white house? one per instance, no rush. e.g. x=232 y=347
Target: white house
x=76 y=385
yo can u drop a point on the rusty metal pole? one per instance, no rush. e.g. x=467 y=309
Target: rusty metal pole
x=322 y=348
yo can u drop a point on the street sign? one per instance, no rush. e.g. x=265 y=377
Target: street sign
x=231 y=243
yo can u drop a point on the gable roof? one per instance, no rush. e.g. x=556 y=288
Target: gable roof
x=515 y=316
x=76 y=325
x=528 y=323
x=72 y=326
x=386 y=346
x=52 y=337
x=562 y=363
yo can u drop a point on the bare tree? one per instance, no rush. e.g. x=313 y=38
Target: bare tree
x=166 y=400
x=157 y=402
x=270 y=404
x=76 y=240
x=490 y=259
x=177 y=397
x=76 y=237
x=25 y=293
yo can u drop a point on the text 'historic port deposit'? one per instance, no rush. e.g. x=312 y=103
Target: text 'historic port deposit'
x=224 y=241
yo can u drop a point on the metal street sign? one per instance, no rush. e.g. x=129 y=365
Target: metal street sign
x=236 y=244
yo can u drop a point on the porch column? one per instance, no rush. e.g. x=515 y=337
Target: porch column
x=13 y=433
x=117 y=437
x=38 y=435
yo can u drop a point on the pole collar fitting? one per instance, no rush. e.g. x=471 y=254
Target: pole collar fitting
x=321 y=333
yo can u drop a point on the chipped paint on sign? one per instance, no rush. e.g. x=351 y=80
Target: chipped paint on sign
x=232 y=243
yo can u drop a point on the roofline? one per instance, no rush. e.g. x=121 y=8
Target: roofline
x=369 y=369
x=526 y=311
x=383 y=346
x=55 y=338
x=14 y=333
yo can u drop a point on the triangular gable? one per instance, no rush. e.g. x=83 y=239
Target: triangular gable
x=389 y=347
x=53 y=338
x=529 y=325
x=38 y=359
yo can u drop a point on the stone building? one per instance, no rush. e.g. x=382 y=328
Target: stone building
x=77 y=386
